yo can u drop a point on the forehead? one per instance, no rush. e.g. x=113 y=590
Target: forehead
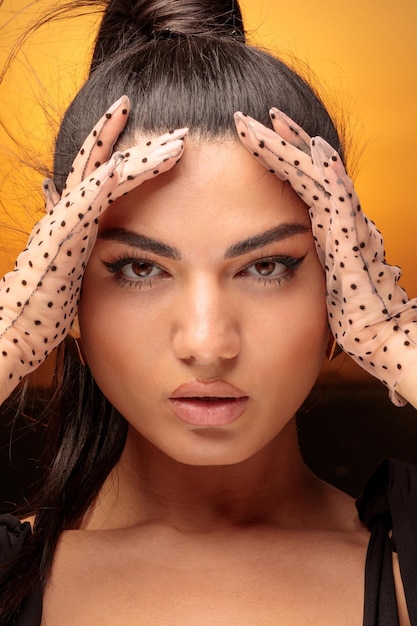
x=216 y=188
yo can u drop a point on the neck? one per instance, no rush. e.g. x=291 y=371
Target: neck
x=148 y=486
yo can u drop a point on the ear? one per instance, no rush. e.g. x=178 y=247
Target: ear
x=75 y=332
x=333 y=349
x=73 y=342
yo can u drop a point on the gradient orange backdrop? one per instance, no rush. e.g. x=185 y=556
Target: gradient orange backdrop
x=363 y=53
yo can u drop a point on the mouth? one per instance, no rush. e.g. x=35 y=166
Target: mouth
x=209 y=411
x=208 y=404
x=209 y=399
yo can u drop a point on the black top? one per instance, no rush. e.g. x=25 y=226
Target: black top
x=12 y=537
x=388 y=503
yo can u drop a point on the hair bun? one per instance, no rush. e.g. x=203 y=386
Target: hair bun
x=129 y=21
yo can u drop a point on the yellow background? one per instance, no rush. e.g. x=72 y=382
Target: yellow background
x=362 y=52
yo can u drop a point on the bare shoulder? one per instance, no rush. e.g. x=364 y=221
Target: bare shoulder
x=256 y=573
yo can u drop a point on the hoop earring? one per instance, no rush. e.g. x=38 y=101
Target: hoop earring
x=333 y=349
x=74 y=348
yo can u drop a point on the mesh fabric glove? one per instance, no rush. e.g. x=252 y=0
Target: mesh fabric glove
x=370 y=315
x=39 y=298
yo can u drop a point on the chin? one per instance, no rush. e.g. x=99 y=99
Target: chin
x=214 y=447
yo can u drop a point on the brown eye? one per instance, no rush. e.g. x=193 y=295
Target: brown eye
x=141 y=269
x=136 y=272
x=272 y=270
x=266 y=268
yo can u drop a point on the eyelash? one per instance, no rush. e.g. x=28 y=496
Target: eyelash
x=291 y=264
x=116 y=267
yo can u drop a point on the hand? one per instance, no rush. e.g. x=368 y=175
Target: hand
x=39 y=298
x=370 y=315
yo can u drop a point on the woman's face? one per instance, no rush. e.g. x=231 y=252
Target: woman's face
x=203 y=314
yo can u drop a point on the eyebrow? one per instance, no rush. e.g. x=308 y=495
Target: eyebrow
x=140 y=241
x=278 y=233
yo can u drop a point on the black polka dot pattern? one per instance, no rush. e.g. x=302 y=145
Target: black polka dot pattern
x=370 y=315
x=39 y=298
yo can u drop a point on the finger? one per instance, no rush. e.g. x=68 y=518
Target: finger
x=289 y=130
x=139 y=165
x=50 y=194
x=98 y=146
x=255 y=137
x=281 y=158
x=347 y=211
x=354 y=240
x=122 y=173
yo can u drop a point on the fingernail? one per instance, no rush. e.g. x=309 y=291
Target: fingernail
x=289 y=123
x=257 y=129
x=48 y=187
x=179 y=133
x=242 y=117
x=168 y=151
x=275 y=111
x=122 y=100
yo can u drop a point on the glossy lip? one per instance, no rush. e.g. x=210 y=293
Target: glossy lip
x=216 y=403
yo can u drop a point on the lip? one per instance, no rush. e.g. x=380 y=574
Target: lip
x=215 y=403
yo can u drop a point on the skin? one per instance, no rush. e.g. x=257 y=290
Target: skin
x=222 y=524
x=199 y=319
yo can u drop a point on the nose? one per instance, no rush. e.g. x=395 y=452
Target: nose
x=206 y=329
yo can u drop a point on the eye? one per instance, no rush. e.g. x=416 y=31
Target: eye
x=135 y=272
x=266 y=267
x=140 y=269
x=272 y=270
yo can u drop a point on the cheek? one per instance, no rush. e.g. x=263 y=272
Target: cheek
x=121 y=341
x=297 y=339
x=298 y=335
x=102 y=324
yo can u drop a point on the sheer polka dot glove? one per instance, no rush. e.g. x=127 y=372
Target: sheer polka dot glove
x=38 y=299
x=370 y=315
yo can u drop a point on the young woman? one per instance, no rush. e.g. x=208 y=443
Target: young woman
x=177 y=493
